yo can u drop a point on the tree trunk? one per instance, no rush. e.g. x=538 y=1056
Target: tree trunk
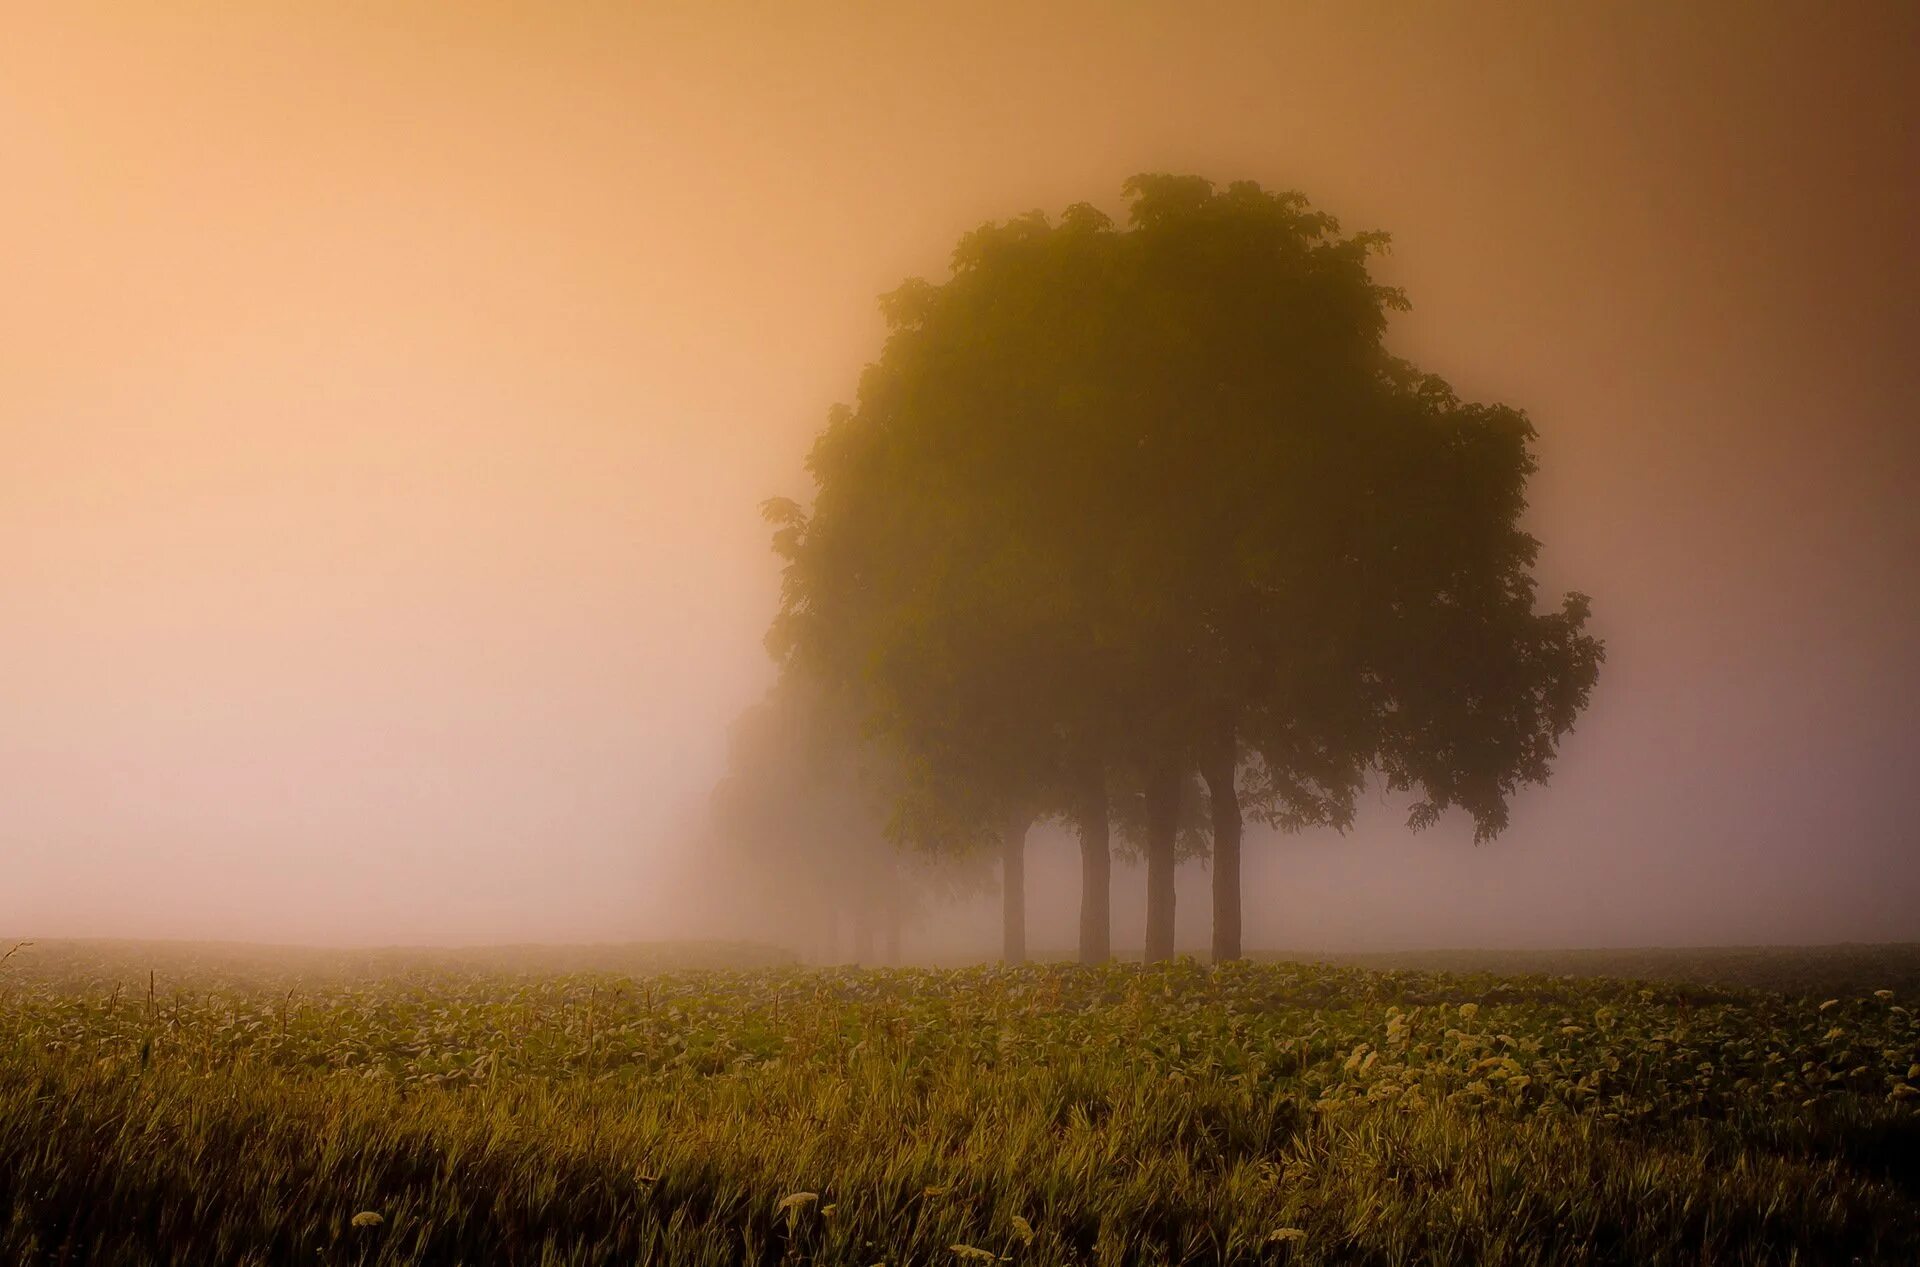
x=1013 y=889
x=1096 y=870
x=1225 y=800
x=1163 y=828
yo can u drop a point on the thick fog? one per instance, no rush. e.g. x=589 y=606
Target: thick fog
x=386 y=396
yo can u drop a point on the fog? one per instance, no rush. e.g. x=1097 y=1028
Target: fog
x=386 y=395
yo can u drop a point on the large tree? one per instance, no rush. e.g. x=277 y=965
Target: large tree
x=1329 y=570
x=1141 y=503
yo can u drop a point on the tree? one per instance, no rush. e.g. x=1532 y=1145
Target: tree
x=1161 y=818
x=971 y=770
x=1142 y=503
x=800 y=818
x=923 y=601
x=1332 y=575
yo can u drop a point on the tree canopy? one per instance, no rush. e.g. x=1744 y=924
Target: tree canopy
x=1130 y=503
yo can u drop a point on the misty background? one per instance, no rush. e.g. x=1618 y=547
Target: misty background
x=386 y=395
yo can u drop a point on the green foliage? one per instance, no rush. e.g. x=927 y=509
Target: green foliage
x=1131 y=502
x=1820 y=971
x=1248 y=1113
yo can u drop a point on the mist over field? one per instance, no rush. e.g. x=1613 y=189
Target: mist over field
x=387 y=400
x=1071 y=633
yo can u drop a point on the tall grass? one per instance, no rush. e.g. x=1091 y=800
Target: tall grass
x=1041 y=1116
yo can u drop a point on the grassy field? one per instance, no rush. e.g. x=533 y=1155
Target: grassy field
x=1821 y=970
x=615 y=1106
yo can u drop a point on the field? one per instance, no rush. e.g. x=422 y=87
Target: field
x=620 y=1107
x=1821 y=970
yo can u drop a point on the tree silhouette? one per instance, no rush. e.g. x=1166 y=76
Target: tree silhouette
x=1131 y=504
x=801 y=817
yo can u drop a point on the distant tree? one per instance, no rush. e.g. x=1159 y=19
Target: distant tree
x=1132 y=504
x=801 y=817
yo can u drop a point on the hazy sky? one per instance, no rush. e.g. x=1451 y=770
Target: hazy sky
x=386 y=391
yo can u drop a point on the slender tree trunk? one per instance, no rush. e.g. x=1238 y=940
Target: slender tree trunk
x=1013 y=889
x=1163 y=829
x=1096 y=870
x=1225 y=800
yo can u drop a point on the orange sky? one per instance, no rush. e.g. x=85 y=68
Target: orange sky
x=386 y=392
